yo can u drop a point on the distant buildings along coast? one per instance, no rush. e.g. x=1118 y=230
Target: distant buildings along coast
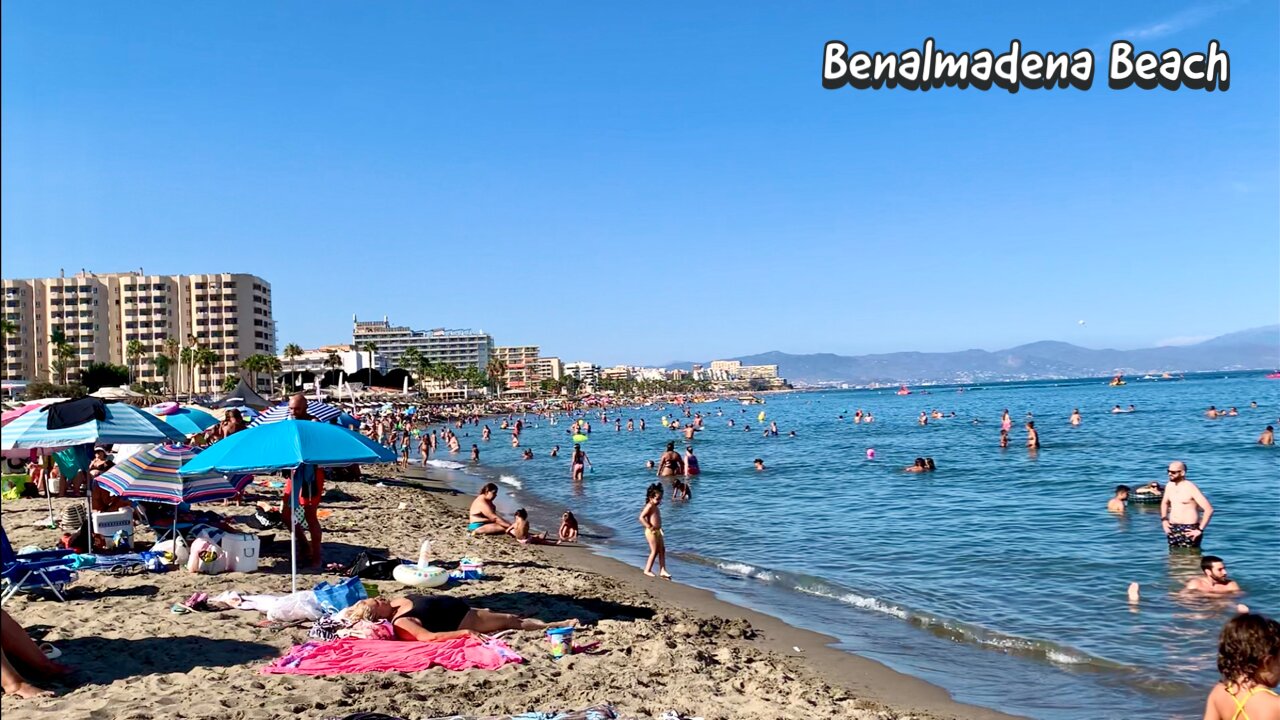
x=100 y=317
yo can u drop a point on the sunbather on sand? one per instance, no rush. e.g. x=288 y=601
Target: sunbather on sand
x=20 y=651
x=430 y=618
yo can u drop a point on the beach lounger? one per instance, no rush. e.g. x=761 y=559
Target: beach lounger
x=47 y=569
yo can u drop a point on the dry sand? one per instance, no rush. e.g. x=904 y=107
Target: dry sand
x=665 y=646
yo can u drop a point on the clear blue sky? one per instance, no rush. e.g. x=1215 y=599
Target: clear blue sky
x=648 y=182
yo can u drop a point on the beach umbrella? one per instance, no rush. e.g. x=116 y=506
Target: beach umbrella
x=11 y=415
x=122 y=424
x=323 y=412
x=152 y=475
x=297 y=445
x=189 y=420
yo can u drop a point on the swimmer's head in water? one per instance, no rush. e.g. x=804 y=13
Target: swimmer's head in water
x=1122 y=492
x=1214 y=568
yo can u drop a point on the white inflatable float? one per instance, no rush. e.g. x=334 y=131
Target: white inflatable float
x=422 y=574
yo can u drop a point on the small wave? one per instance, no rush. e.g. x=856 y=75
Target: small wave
x=746 y=570
x=511 y=480
x=858 y=601
x=446 y=464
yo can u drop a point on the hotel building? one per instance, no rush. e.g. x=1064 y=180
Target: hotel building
x=461 y=348
x=102 y=313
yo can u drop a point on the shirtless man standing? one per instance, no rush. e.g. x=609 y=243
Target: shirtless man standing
x=1181 y=508
x=1268 y=436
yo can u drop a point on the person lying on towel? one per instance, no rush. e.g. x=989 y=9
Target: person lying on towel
x=438 y=617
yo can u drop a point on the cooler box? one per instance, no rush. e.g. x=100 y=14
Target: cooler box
x=108 y=523
x=242 y=551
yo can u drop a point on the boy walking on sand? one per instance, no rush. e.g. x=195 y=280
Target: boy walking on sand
x=651 y=519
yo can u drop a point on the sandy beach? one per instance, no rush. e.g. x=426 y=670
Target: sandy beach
x=664 y=646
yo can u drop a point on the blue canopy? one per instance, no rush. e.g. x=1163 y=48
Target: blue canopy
x=316 y=409
x=123 y=424
x=286 y=445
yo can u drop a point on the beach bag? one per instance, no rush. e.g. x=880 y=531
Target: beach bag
x=206 y=558
x=176 y=550
x=371 y=565
x=340 y=595
x=297 y=607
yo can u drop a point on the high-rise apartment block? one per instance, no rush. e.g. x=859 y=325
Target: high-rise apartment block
x=101 y=314
x=461 y=348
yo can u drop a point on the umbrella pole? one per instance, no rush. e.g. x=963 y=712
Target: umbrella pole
x=293 y=528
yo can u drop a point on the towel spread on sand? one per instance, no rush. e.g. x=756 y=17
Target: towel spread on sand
x=595 y=712
x=350 y=655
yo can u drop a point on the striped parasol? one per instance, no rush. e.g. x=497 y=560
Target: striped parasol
x=152 y=475
x=316 y=409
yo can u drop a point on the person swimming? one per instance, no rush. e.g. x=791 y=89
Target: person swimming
x=918 y=467
x=1117 y=504
x=690 y=462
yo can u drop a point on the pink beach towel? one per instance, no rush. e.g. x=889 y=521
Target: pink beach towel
x=351 y=655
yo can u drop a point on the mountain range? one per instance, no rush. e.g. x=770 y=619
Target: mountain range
x=1258 y=348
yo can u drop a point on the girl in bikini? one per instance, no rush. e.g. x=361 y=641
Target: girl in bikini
x=1249 y=661
x=651 y=519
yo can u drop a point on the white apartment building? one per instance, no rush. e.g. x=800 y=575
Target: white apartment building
x=461 y=348
x=102 y=313
x=317 y=360
x=586 y=373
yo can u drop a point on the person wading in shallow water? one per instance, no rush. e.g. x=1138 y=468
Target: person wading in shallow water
x=1181 y=508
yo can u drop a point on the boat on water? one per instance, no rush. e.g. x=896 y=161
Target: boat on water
x=1273 y=376
x=750 y=400
x=903 y=390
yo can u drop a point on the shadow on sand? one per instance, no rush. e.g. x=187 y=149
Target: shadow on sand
x=551 y=607
x=98 y=661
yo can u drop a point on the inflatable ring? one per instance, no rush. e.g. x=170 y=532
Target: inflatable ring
x=167 y=408
x=417 y=576
x=579 y=438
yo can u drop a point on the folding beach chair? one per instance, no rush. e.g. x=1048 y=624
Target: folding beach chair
x=38 y=570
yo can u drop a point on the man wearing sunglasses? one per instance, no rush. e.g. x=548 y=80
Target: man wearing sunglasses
x=1184 y=511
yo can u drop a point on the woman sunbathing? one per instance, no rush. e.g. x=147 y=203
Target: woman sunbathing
x=439 y=617
x=20 y=649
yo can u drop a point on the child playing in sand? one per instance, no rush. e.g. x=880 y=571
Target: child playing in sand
x=520 y=529
x=651 y=519
x=568 y=528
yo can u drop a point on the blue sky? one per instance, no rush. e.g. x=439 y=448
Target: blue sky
x=648 y=182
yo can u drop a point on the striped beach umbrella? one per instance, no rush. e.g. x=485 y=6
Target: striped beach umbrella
x=152 y=475
x=323 y=412
x=122 y=424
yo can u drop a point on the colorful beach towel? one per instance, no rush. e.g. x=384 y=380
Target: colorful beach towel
x=595 y=712
x=349 y=655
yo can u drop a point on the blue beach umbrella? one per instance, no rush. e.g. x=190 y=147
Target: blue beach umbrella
x=297 y=445
x=286 y=445
x=189 y=420
x=122 y=424
x=316 y=409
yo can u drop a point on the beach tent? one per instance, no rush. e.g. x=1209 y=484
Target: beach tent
x=296 y=445
x=242 y=395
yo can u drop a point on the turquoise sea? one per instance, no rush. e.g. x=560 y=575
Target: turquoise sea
x=1000 y=577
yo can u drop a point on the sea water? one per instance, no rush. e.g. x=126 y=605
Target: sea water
x=1000 y=577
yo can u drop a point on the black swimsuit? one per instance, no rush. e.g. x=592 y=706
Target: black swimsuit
x=436 y=613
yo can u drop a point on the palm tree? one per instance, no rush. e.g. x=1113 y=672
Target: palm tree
x=252 y=365
x=272 y=365
x=206 y=359
x=411 y=360
x=291 y=353
x=497 y=372
x=186 y=371
x=62 y=353
x=371 y=348
x=163 y=364
x=134 y=351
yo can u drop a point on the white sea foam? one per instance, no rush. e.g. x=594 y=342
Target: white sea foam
x=859 y=601
x=746 y=570
x=511 y=480
x=446 y=464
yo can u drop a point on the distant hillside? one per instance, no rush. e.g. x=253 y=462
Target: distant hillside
x=1258 y=348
